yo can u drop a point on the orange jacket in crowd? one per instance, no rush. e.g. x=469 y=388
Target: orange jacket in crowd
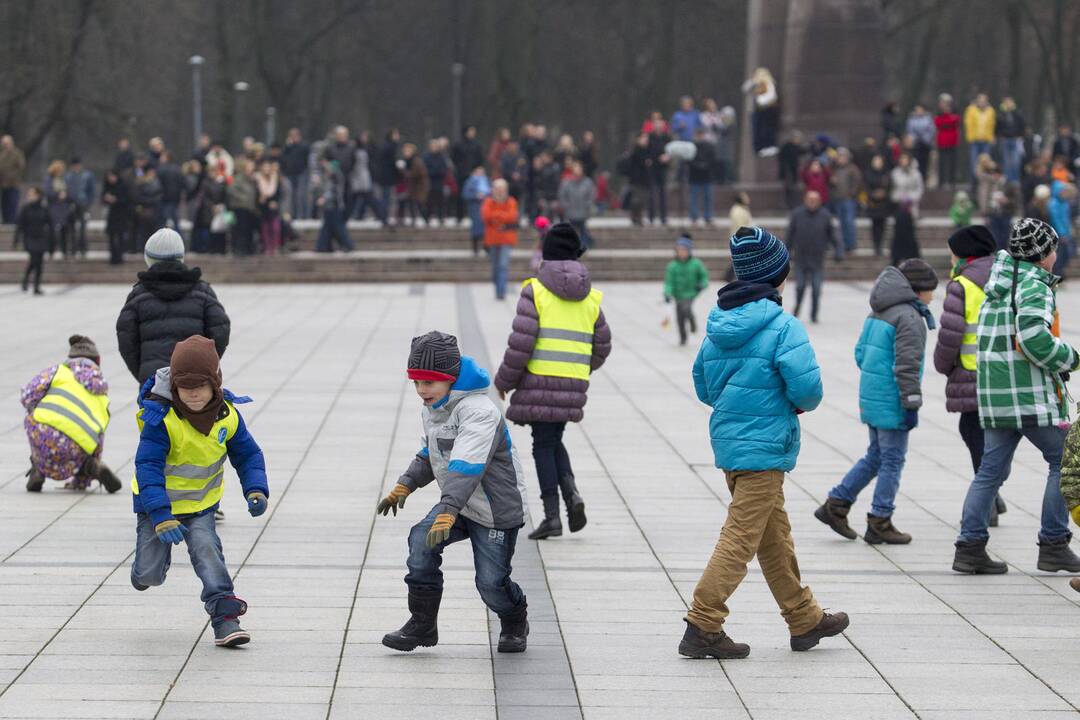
x=500 y=221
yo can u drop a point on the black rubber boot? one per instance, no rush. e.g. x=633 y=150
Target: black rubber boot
x=513 y=638
x=94 y=468
x=1057 y=556
x=696 y=643
x=552 y=525
x=971 y=558
x=422 y=629
x=34 y=480
x=575 y=506
x=881 y=530
x=834 y=513
x=1000 y=506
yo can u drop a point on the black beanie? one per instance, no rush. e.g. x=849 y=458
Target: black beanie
x=973 y=241
x=434 y=356
x=562 y=243
x=919 y=274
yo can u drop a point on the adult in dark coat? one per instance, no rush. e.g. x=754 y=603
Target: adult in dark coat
x=809 y=236
x=34 y=228
x=171 y=302
x=466 y=155
x=905 y=244
x=878 y=184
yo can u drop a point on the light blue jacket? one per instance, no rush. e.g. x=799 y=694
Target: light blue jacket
x=755 y=369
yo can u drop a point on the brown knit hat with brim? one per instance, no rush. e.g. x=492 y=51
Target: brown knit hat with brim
x=195 y=362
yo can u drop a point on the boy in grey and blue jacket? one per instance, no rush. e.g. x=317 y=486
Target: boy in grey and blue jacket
x=467 y=451
x=890 y=355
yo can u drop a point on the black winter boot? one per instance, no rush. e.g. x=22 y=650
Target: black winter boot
x=34 y=480
x=831 y=624
x=422 y=629
x=1057 y=556
x=94 y=468
x=834 y=513
x=971 y=558
x=552 y=525
x=881 y=530
x=999 y=505
x=575 y=506
x=513 y=638
x=696 y=643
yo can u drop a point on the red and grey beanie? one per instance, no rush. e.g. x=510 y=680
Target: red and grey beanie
x=434 y=356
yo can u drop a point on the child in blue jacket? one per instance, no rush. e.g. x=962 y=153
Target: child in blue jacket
x=189 y=425
x=757 y=371
x=890 y=356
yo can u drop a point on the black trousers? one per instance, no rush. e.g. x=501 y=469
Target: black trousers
x=36 y=265
x=972 y=433
x=684 y=315
x=877 y=231
x=550 y=456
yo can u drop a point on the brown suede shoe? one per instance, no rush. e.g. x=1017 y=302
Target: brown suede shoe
x=1075 y=584
x=697 y=643
x=831 y=624
x=881 y=530
x=834 y=513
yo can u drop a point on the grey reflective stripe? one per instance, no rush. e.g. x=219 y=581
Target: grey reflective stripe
x=559 y=356
x=194 y=495
x=971 y=329
x=78 y=403
x=969 y=349
x=196 y=472
x=573 y=335
x=60 y=410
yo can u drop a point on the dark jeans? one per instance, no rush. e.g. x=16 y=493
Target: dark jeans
x=701 y=201
x=9 y=205
x=333 y=229
x=657 y=200
x=811 y=277
x=550 y=456
x=765 y=127
x=365 y=200
x=170 y=213
x=153 y=557
x=79 y=220
x=436 y=203
x=994 y=470
x=947 y=166
x=684 y=315
x=492 y=552
x=583 y=232
x=35 y=266
x=877 y=232
x=117 y=243
x=243 y=241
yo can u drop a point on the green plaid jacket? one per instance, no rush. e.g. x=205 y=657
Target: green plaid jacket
x=1020 y=361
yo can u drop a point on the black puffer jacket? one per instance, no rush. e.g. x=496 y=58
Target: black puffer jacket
x=170 y=303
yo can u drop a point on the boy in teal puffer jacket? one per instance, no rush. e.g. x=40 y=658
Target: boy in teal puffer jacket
x=890 y=356
x=757 y=371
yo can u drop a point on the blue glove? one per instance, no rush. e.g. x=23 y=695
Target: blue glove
x=170 y=532
x=256 y=504
x=911 y=419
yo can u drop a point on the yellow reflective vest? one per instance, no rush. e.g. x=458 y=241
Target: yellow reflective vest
x=74 y=410
x=973 y=301
x=564 y=344
x=195 y=465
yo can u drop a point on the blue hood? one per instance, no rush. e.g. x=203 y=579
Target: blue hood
x=733 y=328
x=472 y=379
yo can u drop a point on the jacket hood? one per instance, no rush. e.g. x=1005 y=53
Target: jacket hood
x=891 y=288
x=569 y=279
x=170 y=280
x=734 y=328
x=1001 y=275
x=740 y=292
x=978 y=270
x=473 y=380
x=155 y=396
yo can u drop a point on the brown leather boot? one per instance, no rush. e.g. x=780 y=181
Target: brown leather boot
x=881 y=530
x=830 y=624
x=834 y=514
x=697 y=643
x=1075 y=584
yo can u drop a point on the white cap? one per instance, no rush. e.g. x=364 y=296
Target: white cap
x=165 y=244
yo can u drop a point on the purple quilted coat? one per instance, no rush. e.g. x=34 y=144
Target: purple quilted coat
x=960 y=389
x=541 y=398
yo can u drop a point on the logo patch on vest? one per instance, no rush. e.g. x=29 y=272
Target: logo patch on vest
x=222 y=433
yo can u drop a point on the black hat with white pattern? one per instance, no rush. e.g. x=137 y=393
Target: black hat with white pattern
x=1032 y=240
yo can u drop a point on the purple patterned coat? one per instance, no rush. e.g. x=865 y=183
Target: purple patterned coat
x=541 y=398
x=960 y=389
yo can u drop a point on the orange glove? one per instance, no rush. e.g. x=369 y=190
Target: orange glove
x=393 y=501
x=440 y=529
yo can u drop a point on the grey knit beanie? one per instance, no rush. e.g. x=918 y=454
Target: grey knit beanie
x=165 y=244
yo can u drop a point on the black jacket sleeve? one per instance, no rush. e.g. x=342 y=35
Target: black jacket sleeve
x=216 y=321
x=127 y=334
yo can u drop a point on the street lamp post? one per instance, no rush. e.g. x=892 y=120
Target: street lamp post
x=271 y=126
x=241 y=89
x=457 y=70
x=196 y=62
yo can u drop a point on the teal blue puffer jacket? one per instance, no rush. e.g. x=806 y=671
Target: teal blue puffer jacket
x=755 y=369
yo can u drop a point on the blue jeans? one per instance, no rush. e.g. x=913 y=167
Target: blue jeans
x=1000 y=445
x=170 y=213
x=975 y=149
x=333 y=228
x=811 y=277
x=885 y=460
x=492 y=552
x=9 y=205
x=299 y=206
x=153 y=557
x=500 y=267
x=582 y=231
x=845 y=211
x=1012 y=158
x=701 y=196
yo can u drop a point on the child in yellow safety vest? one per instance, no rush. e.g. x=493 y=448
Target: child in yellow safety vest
x=67 y=411
x=189 y=425
x=973 y=249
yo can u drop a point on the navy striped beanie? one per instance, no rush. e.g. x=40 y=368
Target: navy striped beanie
x=758 y=256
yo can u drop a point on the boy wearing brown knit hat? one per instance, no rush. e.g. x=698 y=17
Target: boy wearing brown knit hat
x=189 y=425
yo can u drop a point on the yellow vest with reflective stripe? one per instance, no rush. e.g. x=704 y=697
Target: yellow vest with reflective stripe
x=195 y=465
x=74 y=410
x=564 y=345
x=973 y=300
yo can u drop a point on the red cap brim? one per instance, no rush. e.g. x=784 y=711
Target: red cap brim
x=430 y=375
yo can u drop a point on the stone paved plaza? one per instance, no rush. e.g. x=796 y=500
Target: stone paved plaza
x=323 y=576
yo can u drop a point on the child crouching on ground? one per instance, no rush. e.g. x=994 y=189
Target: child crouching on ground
x=188 y=426
x=467 y=451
